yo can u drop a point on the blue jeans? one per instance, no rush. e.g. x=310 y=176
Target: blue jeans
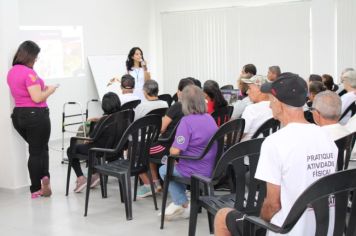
x=177 y=190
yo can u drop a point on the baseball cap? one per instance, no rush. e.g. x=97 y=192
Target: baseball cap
x=288 y=88
x=256 y=79
x=127 y=82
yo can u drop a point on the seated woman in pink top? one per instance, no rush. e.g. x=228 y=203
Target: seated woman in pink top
x=30 y=116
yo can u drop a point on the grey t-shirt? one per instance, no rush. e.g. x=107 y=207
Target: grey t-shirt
x=145 y=107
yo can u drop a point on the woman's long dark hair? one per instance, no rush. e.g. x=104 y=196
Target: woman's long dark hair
x=110 y=103
x=26 y=54
x=211 y=88
x=130 y=61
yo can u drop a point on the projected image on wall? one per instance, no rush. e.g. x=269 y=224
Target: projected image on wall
x=61 y=53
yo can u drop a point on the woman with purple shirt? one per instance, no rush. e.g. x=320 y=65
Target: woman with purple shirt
x=193 y=134
x=30 y=116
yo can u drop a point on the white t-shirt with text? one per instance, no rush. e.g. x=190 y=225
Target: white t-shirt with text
x=293 y=158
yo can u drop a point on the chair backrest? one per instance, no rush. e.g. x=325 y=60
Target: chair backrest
x=222 y=115
x=267 y=128
x=236 y=156
x=309 y=116
x=351 y=108
x=345 y=145
x=130 y=105
x=335 y=188
x=159 y=111
x=175 y=97
x=140 y=135
x=227 y=135
x=228 y=86
x=166 y=97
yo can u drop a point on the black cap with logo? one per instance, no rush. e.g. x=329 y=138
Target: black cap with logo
x=288 y=88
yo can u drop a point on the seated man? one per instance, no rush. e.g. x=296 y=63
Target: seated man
x=326 y=111
x=273 y=73
x=258 y=112
x=289 y=159
x=349 y=82
x=150 y=91
x=127 y=88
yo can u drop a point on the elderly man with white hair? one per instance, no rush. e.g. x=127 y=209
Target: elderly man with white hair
x=349 y=81
x=326 y=112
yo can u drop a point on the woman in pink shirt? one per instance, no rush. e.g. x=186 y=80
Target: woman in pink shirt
x=30 y=116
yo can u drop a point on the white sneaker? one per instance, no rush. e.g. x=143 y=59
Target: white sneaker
x=186 y=212
x=173 y=211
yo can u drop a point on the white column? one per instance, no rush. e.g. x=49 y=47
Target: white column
x=13 y=157
x=323 y=34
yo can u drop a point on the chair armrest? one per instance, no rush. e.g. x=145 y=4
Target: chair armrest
x=175 y=157
x=201 y=178
x=82 y=138
x=163 y=140
x=104 y=150
x=263 y=224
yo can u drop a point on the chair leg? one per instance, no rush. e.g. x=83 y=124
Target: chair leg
x=121 y=192
x=126 y=186
x=211 y=222
x=135 y=187
x=68 y=174
x=152 y=189
x=102 y=186
x=194 y=209
x=87 y=191
x=164 y=200
x=106 y=185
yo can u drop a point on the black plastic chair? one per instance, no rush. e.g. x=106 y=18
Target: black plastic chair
x=267 y=128
x=130 y=105
x=226 y=136
x=244 y=179
x=337 y=186
x=175 y=97
x=139 y=136
x=351 y=108
x=167 y=143
x=228 y=86
x=344 y=145
x=166 y=97
x=308 y=115
x=159 y=111
x=118 y=122
x=222 y=115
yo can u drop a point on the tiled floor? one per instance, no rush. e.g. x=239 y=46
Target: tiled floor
x=62 y=216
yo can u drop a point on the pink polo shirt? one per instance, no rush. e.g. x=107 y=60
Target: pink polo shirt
x=19 y=78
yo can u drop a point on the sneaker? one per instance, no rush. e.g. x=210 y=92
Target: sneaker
x=46 y=187
x=173 y=211
x=158 y=186
x=36 y=194
x=81 y=183
x=144 y=191
x=186 y=213
x=95 y=180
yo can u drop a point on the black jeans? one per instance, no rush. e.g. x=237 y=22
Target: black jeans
x=82 y=149
x=34 y=125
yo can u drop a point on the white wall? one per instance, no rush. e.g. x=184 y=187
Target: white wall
x=109 y=27
x=332 y=42
x=13 y=171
